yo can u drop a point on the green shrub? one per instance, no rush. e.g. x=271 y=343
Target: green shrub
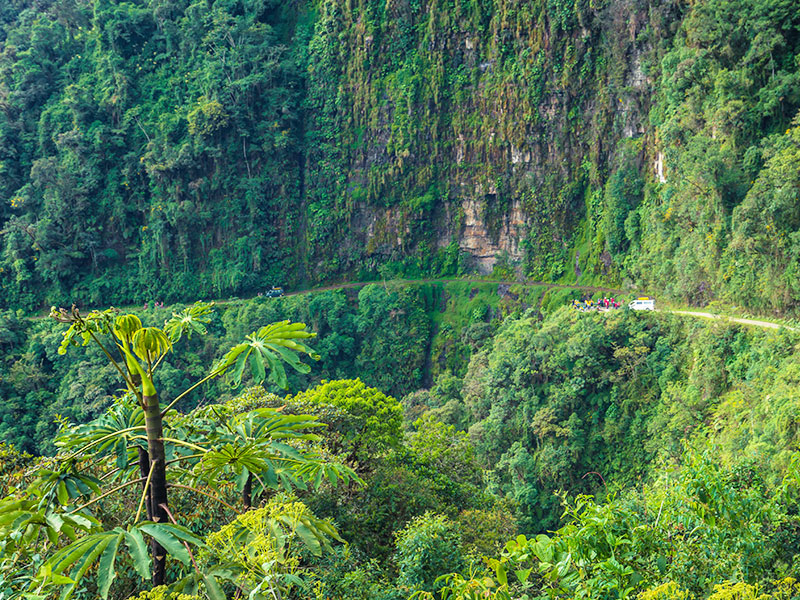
x=429 y=546
x=367 y=422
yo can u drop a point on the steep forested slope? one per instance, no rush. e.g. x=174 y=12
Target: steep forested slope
x=149 y=146
x=725 y=220
x=171 y=149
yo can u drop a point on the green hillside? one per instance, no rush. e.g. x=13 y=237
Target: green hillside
x=504 y=417
x=426 y=414
x=171 y=150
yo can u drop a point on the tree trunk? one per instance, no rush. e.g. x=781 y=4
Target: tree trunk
x=144 y=471
x=247 y=492
x=158 y=481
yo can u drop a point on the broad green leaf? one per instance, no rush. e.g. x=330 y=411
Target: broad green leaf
x=52 y=535
x=121 y=450
x=69 y=531
x=270 y=346
x=318 y=479
x=192 y=319
x=523 y=574
x=171 y=538
x=309 y=539
x=241 y=479
x=83 y=564
x=61 y=493
x=66 y=557
x=72 y=488
x=60 y=580
x=138 y=549
x=79 y=557
x=54 y=520
x=213 y=588
x=149 y=343
x=82 y=521
x=257 y=366
x=105 y=568
x=500 y=570
x=238 y=368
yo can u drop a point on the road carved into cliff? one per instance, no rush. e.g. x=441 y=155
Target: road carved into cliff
x=548 y=285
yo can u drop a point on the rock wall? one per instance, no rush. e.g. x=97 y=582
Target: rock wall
x=481 y=124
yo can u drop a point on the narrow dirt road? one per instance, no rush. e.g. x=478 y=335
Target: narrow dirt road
x=360 y=284
x=585 y=288
x=705 y=315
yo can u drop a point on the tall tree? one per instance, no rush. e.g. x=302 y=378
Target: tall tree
x=136 y=352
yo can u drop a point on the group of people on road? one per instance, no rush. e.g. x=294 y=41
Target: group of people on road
x=587 y=304
x=155 y=305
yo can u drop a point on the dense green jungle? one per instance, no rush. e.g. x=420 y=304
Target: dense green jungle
x=467 y=438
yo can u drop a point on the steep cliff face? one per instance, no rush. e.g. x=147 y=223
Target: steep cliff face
x=185 y=148
x=720 y=216
x=479 y=124
x=653 y=143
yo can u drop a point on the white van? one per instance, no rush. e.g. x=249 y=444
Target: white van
x=642 y=304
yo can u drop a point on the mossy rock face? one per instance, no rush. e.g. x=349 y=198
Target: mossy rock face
x=512 y=107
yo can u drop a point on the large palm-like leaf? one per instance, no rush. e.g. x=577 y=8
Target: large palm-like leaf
x=192 y=319
x=114 y=432
x=288 y=463
x=70 y=564
x=269 y=347
x=271 y=446
x=23 y=521
x=268 y=423
x=59 y=486
x=235 y=458
x=316 y=470
x=254 y=443
x=217 y=421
